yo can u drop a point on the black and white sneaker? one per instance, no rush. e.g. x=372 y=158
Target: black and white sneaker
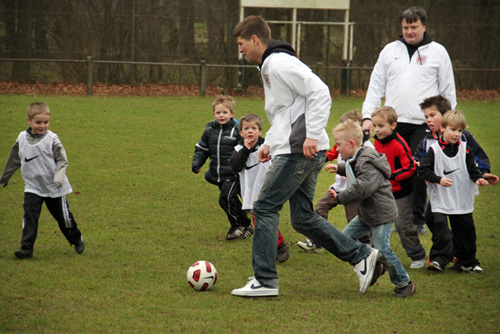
x=365 y=269
x=435 y=266
x=247 y=231
x=254 y=289
x=235 y=233
x=406 y=291
x=476 y=269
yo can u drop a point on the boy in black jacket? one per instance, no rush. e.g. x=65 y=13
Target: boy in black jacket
x=217 y=143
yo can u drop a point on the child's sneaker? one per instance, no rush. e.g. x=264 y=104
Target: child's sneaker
x=23 y=254
x=235 y=233
x=80 y=246
x=247 y=231
x=422 y=229
x=379 y=270
x=418 y=264
x=365 y=269
x=406 y=291
x=476 y=269
x=309 y=246
x=283 y=252
x=435 y=266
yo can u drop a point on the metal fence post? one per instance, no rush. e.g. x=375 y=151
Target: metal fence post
x=203 y=77
x=90 y=75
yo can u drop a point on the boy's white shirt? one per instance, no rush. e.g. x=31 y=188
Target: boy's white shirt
x=38 y=167
x=252 y=178
x=459 y=198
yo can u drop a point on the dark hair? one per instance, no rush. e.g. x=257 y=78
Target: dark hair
x=251 y=118
x=253 y=25
x=439 y=101
x=413 y=14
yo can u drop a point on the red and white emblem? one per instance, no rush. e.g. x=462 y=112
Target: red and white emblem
x=421 y=60
x=266 y=80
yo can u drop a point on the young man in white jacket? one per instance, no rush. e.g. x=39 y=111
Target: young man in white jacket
x=408 y=70
x=297 y=104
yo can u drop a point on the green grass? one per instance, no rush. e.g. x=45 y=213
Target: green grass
x=146 y=217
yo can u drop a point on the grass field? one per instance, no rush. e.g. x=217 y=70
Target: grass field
x=146 y=217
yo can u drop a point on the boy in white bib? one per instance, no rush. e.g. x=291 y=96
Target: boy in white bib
x=43 y=162
x=453 y=177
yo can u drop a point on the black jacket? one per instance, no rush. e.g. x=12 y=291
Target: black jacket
x=217 y=143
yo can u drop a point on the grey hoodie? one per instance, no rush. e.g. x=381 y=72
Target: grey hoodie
x=372 y=189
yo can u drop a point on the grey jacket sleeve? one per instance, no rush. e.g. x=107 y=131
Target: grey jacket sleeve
x=13 y=163
x=61 y=161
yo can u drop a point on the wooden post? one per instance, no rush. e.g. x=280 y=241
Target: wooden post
x=203 y=77
x=90 y=75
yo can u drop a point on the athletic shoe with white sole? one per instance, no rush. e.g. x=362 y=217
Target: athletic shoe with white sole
x=254 y=289
x=310 y=246
x=365 y=269
x=235 y=233
x=247 y=231
x=418 y=264
x=435 y=266
x=476 y=269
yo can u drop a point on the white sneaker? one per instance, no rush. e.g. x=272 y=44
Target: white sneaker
x=365 y=269
x=309 y=246
x=254 y=289
x=476 y=269
x=418 y=264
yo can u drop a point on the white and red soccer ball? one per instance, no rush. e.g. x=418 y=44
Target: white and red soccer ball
x=202 y=275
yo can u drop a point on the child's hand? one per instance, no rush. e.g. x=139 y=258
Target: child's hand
x=417 y=163
x=482 y=182
x=333 y=193
x=491 y=178
x=446 y=182
x=248 y=143
x=332 y=168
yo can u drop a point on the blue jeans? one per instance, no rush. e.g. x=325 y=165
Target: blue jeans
x=380 y=236
x=293 y=177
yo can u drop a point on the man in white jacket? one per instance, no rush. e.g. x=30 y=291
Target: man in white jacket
x=409 y=70
x=297 y=104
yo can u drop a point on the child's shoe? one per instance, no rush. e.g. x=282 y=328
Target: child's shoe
x=309 y=246
x=365 y=270
x=422 y=229
x=235 y=233
x=380 y=270
x=23 y=254
x=435 y=266
x=406 y=291
x=80 y=246
x=418 y=264
x=247 y=231
x=283 y=252
x=476 y=269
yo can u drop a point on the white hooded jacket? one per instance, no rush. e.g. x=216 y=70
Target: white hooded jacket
x=297 y=101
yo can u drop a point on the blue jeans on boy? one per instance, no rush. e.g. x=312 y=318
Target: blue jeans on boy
x=380 y=237
x=293 y=177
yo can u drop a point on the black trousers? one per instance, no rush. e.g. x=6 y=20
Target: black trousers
x=230 y=202
x=413 y=135
x=58 y=208
x=459 y=242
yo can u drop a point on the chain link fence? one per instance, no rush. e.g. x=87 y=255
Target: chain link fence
x=164 y=41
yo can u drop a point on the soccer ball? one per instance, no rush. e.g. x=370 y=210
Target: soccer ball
x=202 y=275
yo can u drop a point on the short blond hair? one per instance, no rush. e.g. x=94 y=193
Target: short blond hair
x=226 y=100
x=349 y=130
x=387 y=113
x=454 y=118
x=37 y=108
